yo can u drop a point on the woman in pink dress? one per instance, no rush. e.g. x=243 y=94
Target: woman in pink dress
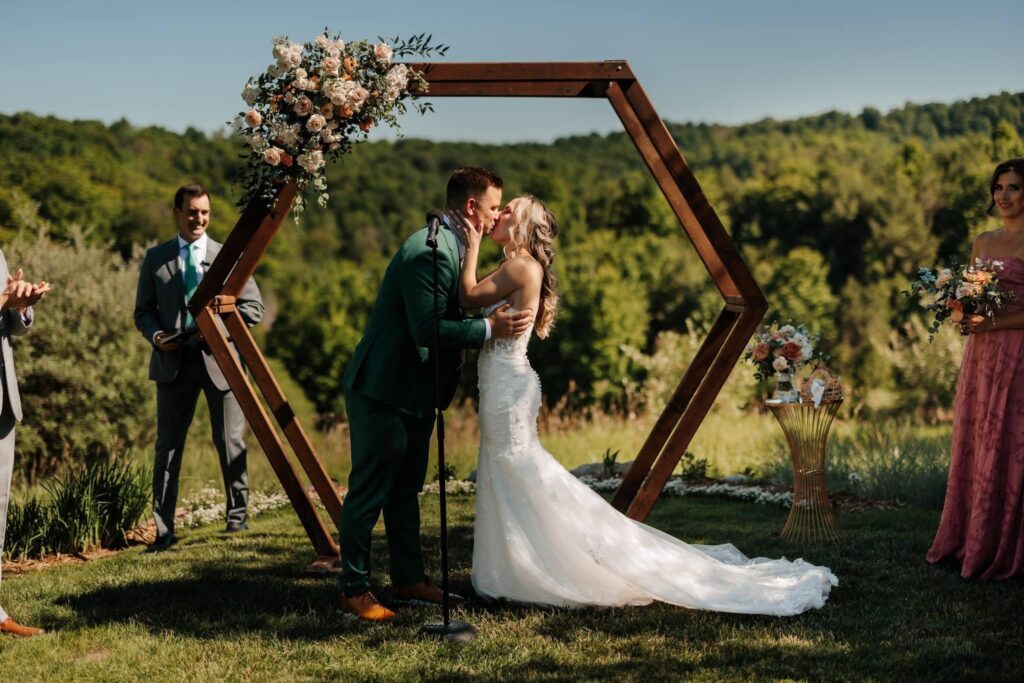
x=983 y=517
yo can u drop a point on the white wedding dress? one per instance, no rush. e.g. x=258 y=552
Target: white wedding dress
x=544 y=537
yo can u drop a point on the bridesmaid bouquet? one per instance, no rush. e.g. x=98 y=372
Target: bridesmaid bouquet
x=960 y=291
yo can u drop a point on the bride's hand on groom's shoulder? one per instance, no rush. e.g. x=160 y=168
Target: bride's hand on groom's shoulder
x=507 y=322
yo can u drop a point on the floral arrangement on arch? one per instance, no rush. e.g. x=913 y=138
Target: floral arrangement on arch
x=316 y=101
x=781 y=349
x=959 y=291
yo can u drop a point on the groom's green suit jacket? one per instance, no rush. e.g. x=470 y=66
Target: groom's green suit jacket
x=392 y=363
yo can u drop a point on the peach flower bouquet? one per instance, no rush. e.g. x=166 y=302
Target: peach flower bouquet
x=782 y=349
x=951 y=293
x=316 y=101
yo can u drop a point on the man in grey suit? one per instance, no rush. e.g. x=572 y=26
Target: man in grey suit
x=16 y=302
x=181 y=364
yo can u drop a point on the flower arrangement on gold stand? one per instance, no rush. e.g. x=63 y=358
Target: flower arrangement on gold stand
x=316 y=101
x=779 y=351
x=957 y=291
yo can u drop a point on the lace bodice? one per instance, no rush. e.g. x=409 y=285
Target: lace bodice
x=507 y=347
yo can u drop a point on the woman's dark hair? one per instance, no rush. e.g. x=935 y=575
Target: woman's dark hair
x=1015 y=165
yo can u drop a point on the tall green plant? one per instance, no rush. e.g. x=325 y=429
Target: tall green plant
x=83 y=368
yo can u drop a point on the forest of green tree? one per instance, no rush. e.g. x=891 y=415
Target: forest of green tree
x=834 y=213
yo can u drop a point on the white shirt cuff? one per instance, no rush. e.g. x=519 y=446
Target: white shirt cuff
x=487 y=329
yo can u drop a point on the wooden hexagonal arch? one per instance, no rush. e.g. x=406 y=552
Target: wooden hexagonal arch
x=743 y=303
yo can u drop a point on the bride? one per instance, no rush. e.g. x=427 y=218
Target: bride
x=544 y=537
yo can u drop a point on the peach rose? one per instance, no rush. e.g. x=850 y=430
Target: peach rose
x=365 y=125
x=331 y=66
x=760 y=352
x=253 y=118
x=977 y=276
x=349 y=64
x=316 y=123
x=272 y=156
x=383 y=52
x=303 y=106
x=345 y=111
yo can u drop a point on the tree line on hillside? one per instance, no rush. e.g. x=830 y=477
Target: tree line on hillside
x=832 y=212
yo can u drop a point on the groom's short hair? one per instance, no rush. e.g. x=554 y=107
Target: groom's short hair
x=193 y=190
x=470 y=181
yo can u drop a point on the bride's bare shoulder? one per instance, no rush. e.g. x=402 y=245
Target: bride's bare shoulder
x=523 y=268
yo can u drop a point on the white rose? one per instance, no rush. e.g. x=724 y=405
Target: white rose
x=300 y=74
x=358 y=96
x=257 y=142
x=316 y=123
x=312 y=162
x=945 y=275
x=250 y=94
x=253 y=118
x=780 y=364
x=322 y=41
x=383 y=53
x=272 y=156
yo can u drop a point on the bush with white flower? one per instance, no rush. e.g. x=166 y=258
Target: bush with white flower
x=319 y=99
x=781 y=349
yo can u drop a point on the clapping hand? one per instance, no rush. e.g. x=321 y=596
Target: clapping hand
x=21 y=294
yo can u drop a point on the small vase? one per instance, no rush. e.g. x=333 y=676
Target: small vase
x=785 y=390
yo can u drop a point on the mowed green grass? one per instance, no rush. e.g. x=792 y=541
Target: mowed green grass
x=224 y=608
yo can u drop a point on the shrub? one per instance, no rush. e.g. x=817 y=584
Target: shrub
x=83 y=367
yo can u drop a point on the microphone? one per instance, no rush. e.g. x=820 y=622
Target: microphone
x=434 y=220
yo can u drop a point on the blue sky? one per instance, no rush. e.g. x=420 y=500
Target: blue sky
x=183 y=64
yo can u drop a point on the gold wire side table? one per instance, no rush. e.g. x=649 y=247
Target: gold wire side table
x=806 y=428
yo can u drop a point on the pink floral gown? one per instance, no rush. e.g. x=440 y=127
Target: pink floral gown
x=983 y=517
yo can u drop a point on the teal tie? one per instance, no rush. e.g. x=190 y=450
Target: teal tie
x=191 y=278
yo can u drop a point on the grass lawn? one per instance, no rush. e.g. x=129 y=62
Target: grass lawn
x=224 y=608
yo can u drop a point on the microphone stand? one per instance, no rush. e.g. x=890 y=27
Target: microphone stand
x=447 y=630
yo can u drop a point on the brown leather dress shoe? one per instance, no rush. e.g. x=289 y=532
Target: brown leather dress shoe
x=423 y=592
x=366 y=607
x=15 y=629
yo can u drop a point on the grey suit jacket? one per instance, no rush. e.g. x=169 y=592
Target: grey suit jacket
x=11 y=325
x=160 y=306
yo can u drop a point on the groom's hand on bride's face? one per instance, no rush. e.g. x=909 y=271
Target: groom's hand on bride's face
x=507 y=323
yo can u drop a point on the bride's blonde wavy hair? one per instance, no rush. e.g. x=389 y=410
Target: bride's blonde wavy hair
x=534 y=230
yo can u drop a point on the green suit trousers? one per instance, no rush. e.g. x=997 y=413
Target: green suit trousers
x=390 y=453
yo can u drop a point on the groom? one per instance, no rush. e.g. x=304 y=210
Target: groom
x=390 y=394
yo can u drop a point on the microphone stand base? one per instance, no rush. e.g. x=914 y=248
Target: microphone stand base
x=454 y=632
